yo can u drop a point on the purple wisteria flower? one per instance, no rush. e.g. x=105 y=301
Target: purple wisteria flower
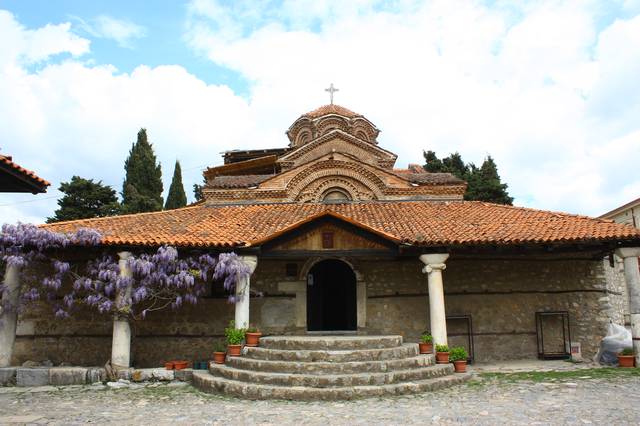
x=156 y=281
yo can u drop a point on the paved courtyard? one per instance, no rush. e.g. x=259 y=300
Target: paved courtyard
x=587 y=396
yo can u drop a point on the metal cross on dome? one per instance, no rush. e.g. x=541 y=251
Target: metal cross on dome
x=331 y=91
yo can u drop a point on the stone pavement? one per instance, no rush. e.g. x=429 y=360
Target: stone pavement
x=586 y=396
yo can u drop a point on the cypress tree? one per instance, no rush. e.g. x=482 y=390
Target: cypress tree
x=176 y=198
x=142 y=187
x=83 y=199
x=485 y=184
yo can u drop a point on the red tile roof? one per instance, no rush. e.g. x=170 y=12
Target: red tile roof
x=423 y=223
x=427 y=177
x=37 y=182
x=331 y=109
x=241 y=181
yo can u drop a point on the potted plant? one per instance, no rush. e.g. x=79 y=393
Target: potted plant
x=252 y=336
x=219 y=353
x=458 y=356
x=626 y=358
x=442 y=354
x=426 y=344
x=234 y=336
x=180 y=365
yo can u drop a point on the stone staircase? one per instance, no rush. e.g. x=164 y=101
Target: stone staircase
x=327 y=368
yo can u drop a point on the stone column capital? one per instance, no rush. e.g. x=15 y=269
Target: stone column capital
x=250 y=261
x=434 y=267
x=124 y=255
x=434 y=262
x=624 y=252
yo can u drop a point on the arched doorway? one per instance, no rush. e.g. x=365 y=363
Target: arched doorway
x=331 y=297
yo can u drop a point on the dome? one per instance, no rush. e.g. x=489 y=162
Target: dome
x=331 y=109
x=328 y=118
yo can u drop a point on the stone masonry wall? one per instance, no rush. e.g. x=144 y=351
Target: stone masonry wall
x=501 y=295
x=618 y=288
x=190 y=333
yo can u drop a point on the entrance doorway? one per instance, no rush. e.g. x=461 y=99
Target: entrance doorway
x=331 y=297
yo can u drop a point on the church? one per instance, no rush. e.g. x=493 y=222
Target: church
x=340 y=241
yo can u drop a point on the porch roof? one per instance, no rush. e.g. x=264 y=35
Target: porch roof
x=418 y=223
x=15 y=178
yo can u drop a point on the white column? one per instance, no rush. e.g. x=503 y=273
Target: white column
x=434 y=265
x=9 y=317
x=243 y=287
x=632 y=277
x=121 y=339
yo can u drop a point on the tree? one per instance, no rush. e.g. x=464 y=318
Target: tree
x=142 y=187
x=176 y=198
x=432 y=163
x=83 y=199
x=453 y=164
x=197 y=189
x=485 y=184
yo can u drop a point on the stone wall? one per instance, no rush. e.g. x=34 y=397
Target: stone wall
x=501 y=295
x=190 y=333
x=618 y=290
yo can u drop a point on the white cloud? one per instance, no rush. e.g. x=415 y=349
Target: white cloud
x=19 y=46
x=554 y=100
x=122 y=31
x=535 y=85
x=70 y=118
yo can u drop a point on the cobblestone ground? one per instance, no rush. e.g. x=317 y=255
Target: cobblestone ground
x=537 y=398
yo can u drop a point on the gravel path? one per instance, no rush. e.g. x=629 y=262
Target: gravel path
x=487 y=400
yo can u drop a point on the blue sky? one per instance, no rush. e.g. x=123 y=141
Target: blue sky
x=160 y=43
x=548 y=88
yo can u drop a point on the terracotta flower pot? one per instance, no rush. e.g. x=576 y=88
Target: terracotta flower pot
x=460 y=366
x=180 y=365
x=442 y=357
x=426 y=348
x=252 y=339
x=168 y=365
x=626 y=361
x=234 y=350
x=218 y=357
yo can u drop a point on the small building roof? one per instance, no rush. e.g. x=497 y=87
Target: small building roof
x=15 y=178
x=418 y=223
x=629 y=205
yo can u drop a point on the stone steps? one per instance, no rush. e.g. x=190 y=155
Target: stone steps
x=332 y=343
x=321 y=367
x=209 y=383
x=330 y=380
x=266 y=354
x=327 y=368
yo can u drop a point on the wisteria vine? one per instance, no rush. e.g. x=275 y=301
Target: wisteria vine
x=155 y=281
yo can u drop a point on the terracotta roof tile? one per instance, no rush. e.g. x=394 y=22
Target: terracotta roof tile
x=427 y=177
x=331 y=109
x=7 y=161
x=241 y=181
x=422 y=223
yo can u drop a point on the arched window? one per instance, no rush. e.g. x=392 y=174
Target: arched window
x=335 y=195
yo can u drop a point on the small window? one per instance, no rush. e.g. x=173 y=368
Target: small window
x=336 y=195
x=327 y=240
